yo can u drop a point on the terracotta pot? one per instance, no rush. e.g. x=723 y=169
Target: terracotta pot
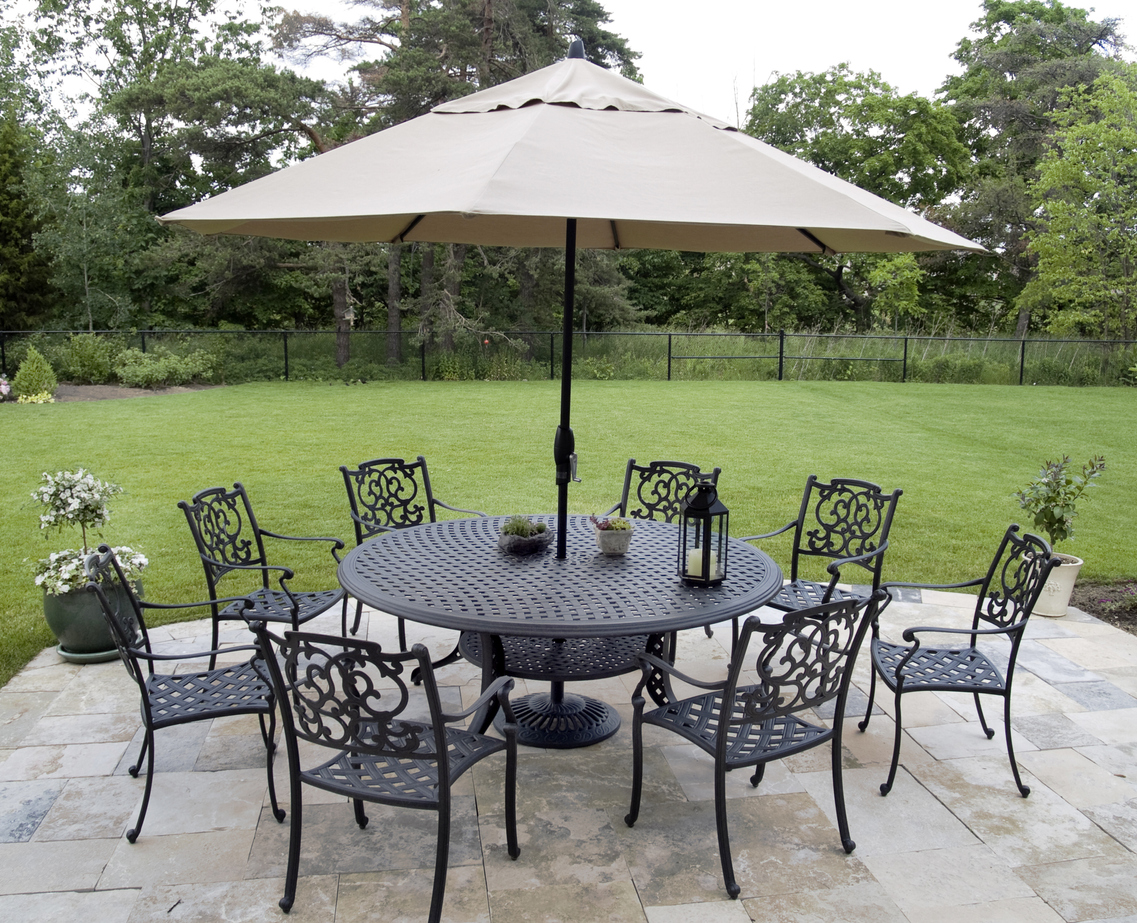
x=1054 y=599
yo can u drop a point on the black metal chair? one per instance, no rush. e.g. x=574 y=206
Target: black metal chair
x=388 y=494
x=655 y=490
x=172 y=699
x=351 y=699
x=803 y=661
x=846 y=521
x=1007 y=595
x=229 y=540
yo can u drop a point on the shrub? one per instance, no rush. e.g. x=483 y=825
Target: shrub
x=34 y=376
x=159 y=368
x=86 y=359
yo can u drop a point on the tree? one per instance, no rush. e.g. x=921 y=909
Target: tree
x=1086 y=241
x=1024 y=53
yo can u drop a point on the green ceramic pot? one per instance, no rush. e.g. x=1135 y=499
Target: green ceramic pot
x=77 y=620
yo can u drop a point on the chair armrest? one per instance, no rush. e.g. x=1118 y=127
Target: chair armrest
x=193 y=655
x=752 y=538
x=910 y=633
x=615 y=509
x=834 y=567
x=458 y=509
x=286 y=572
x=337 y=544
x=931 y=586
x=649 y=662
x=499 y=688
x=209 y=602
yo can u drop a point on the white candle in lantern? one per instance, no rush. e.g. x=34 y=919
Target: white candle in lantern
x=695 y=563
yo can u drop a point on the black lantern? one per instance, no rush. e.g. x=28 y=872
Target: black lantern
x=703 y=537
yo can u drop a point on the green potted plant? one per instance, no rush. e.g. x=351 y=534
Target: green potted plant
x=78 y=498
x=1051 y=498
x=613 y=535
x=520 y=535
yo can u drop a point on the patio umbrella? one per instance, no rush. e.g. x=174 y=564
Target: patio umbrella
x=571 y=154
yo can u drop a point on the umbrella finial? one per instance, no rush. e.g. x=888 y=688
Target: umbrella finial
x=576 y=49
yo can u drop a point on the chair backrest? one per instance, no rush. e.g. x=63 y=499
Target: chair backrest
x=347 y=694
x=841 y=519
x=1015 y=580
x=225 y=532
x=388 y=494
x=655 y=490
x=801 y=662
x=121 y=609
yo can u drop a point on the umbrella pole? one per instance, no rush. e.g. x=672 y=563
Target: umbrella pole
x=564 y=444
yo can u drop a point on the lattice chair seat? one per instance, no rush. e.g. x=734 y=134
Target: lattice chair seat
x=172 y=699
x=936 y=669
x=801 y=663
x=1005 y=600
x=805 y=594
x=277 y=606
x=348 y=697
x=398 y=780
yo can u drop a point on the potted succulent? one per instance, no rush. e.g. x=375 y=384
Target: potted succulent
x=1051 y=498
x=520 y=535
x=613 y=535
x=78 y=498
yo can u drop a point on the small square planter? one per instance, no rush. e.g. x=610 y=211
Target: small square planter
x=613 y=541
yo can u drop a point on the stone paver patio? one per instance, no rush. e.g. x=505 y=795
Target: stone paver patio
x=952 y=842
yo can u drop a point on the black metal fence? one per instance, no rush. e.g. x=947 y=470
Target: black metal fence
x=242 y=355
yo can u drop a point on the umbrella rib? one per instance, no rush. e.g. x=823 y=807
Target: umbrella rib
x=402 y=235
x=812 y=238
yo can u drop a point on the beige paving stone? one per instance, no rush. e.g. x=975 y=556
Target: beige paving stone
x=182 y=858
x=47 y=678
x=201 y=802
x=1031 y=695
x=885 y=825
x=88 y=906
x=707 y=912
x=866 y=902
x=82 y=729
x=566 y=846
x=1087 y=889
x=62 y=762
x=1021 y=831
x=614 y=902
x=935 y=879
x=872 y=746
x=694 y=770
x=1093 y=654
x=94 y=808
x=19 y=712
x=780 y=843
x=98 y=689
x=245 y=901
x=1019 y=910
x=952 y=741
x=1115 y=726
x=1120 y=759
x=1125 y=678
x=72 y=865
x=1118 y=820
x=1082 y=782
x=404 y=896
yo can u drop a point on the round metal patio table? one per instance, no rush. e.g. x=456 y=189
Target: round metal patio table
x=452 y=574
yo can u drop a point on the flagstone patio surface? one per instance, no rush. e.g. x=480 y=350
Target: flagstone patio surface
x=952 y=842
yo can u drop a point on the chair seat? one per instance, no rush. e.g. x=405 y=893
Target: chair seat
x=562 y=660
x=275 y=606
x=804 y=594
x=232 y=690
x=395 y=780
x=967 y=669
x=697 y=720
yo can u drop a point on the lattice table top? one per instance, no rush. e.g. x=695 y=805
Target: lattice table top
x=453 y=575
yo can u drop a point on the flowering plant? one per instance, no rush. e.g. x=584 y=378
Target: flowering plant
x=62 y=571
x=44 y=397
x=5 y=388
x=616 y=524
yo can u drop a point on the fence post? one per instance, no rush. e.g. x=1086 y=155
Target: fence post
x=422 y=358
x=669 y=357
x=3 y=354
x=904 y=369
x=142 y=334
x=781 y=352
x=552 y=352
x=1022 y=359
x=284 y=335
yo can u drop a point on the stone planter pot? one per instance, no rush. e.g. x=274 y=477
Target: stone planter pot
x=1054 y=600
x=613 y=541
x=77 y=620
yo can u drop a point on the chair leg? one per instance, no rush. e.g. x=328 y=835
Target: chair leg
x=710 y=633
x=864 y=723
x=839 y=795
x=886 y=787
x=133 y=770
x=442 y=855
x=360 y=817
x=294 y=833
x=215 y=642
x=269 y=736
x=402 y=635
x=358 y=615
x=732 y=887
x=983 y=721
x=148 y=749
x=637 y=760
x=1024 y=790
x=511 y=790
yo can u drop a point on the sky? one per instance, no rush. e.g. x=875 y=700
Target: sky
x=709 y=54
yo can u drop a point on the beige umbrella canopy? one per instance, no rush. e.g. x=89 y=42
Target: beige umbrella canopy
x=571 y=154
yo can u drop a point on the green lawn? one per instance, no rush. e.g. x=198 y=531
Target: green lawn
x=957 y=451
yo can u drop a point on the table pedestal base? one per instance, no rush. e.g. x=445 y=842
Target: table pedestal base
x=561 y=722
